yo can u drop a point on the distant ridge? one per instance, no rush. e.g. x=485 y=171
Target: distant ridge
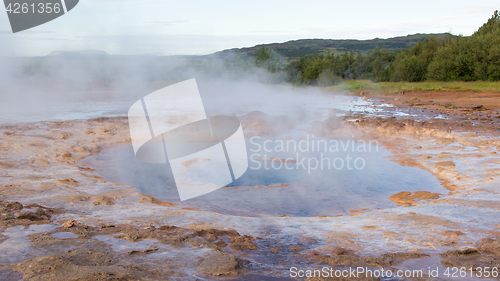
x=78 y=53
x=297 y=48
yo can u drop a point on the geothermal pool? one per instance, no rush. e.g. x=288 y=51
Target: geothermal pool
x=48 y=163
x=353 y=176
x=290 y=182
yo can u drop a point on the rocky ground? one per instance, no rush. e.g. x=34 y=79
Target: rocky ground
x=60 y=221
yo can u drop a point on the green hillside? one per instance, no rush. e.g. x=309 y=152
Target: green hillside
x=296 y=49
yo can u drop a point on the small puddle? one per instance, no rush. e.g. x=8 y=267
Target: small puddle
x=120 y=245
x=284 y=182
x=17 y=246
x=64 y=235
x=10 y=275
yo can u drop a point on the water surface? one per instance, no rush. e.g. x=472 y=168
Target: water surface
x=271 y=188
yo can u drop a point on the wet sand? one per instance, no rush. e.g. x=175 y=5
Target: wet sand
x=60 y=221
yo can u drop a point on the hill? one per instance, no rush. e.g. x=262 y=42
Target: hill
x=297 y=48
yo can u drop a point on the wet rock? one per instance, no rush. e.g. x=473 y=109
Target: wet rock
x=487 y=254
x=445 y=164
x=241 y=243
x=142 y=252
x=103 y=200
x=69 y=182
x=452 y=233
x=219 y=264
x=39 y=215
x=89 y=266
x=11 y=215
x=40 y=163
x=344 y=257
x=274 y=250
x=391 y=259
x=65 y=155
x=62 y=135
x=85 y=257
x=338 y=257
x=150 y=199
x=110 y=130
x=490 y=246
x=69 y=224
x=11 y=206
x=6 y=165
x=86 y=169
x=81 y=149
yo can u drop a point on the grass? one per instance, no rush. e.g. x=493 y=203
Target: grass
x=369 y=87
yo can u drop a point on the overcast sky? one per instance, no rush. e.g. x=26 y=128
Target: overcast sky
x=196 y=27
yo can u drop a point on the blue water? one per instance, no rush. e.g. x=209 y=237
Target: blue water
x=295 y=190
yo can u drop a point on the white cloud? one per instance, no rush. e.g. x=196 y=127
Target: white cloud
x=202 y=27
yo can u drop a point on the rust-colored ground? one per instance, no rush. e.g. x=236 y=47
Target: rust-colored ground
x=39 y=163
x=490 y=101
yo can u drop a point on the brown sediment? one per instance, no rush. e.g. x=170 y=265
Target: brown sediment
x=220 y=264
x=485 y=254
x=343 y=257
x=87 y=266
x=187 y=164
x=107 y=198
x=103 y=200
x=370 y=227
x=449 y=100
x=150 y=199
x=452 y=233
x=68 y=182
x=357 y=212
x=89 y=258
x=406 y=198
x=14 y=213
x=447 y=184
x=86 y=169
x=391 y=234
